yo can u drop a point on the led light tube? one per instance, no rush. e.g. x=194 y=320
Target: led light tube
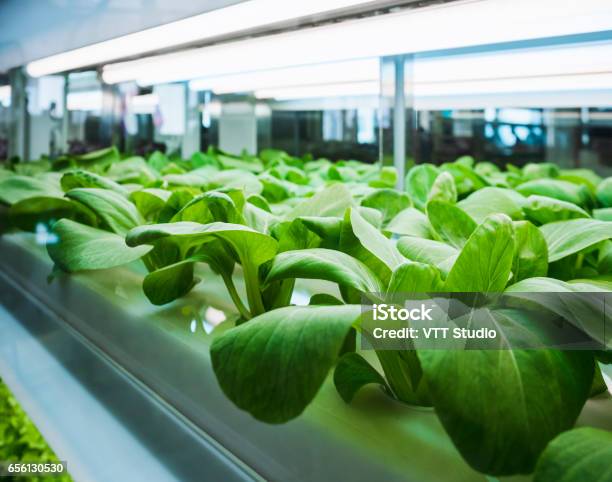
x=320 y=91
x=579 y=58
x=235 y=18
x=544 y=84
x=331 y=73
x=560 y=83
x=446 y=26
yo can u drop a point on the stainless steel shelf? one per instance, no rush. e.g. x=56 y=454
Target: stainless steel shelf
x=125 y=391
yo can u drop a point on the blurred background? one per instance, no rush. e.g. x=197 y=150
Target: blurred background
x=497 y=95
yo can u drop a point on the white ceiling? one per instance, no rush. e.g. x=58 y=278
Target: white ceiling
x=31 y=29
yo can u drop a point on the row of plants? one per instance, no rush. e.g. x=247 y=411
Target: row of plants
x=274 y=219
x=20 y=441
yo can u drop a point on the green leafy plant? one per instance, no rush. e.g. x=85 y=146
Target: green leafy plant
x=273 y=221
x=20 y=441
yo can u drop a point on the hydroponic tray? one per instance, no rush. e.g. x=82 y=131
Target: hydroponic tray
x=163 y=353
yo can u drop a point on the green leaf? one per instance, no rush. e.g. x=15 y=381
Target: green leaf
x=604 y=192
x=531 y=252
x=604 y=258
x=114 y=209
x=81 y=178
x=505 y=405
x=543 y=210
x=170 y=282
x=332 y=201
x=584 y=177
x=427 y=251
x=258 y=219
x=28 y=213
x=209 y=207
x=604 y=214
x=328 y=229
x=252 y=246
x=324 y=299
x=586 y=313
x=451 y=223
x=413 y=277
x=576 y=456
x=550 y=285
x=604 y=357
x=101 y=157
x=419 y=181
x=540 y=170
x=599 y=384
x=150 y=202
x=443 y=189
x=293 y=235
x=388 y=201
x=80 y=247
x=352 y=373
x=235 y=179
x=565 y=238
x=466 y=179
x=274 y=365
x=491 y=200
x=484 y=263
x=324 y=264
x=132 y=170
x=275 y=190
x=17 y=188
x=231 y=162
x=158 y=160
x=561 y=190
x=372 y=216
x=259 y=201
x=375 y=242
x=188 y=180
x=410 y=222
x=174 y=204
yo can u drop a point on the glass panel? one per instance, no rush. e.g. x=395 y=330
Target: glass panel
x=5 y=105
x=517 y=105
x=327 y=110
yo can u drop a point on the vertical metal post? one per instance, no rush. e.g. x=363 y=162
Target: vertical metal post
x=399 y=122
x=392 y=115
x=19 y=123
x=411 y=152
x=385 y=109
x=65 y=116
x=191 y=139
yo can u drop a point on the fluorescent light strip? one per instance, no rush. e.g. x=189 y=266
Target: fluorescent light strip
x=561 y=83
x=240 y=17
x=548 y=84
x=320 y=91
x=536 y=61
x=526 y=70
x=338 y=72
x=450 y=25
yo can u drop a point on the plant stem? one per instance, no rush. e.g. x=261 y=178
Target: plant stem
x=231 y=288
x=403 y=372
x=579 y=261
x=283 y=297
x=251 y=278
